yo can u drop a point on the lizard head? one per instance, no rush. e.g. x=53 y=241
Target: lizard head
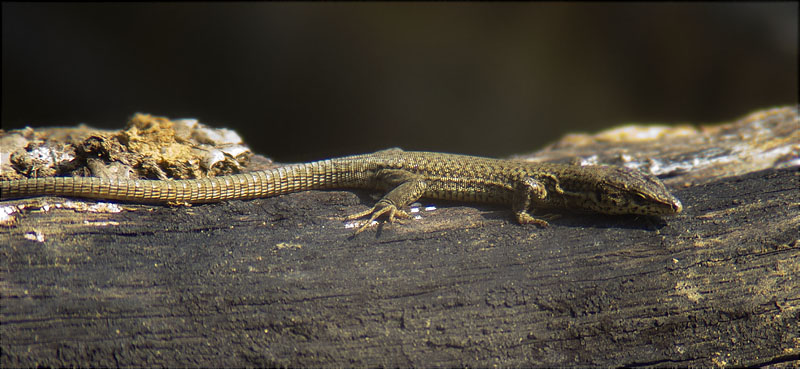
x=628 y=191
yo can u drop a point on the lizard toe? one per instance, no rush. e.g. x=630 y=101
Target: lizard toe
x=525 y=218
x=376 y=212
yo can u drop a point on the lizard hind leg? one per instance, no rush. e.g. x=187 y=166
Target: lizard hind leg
x=406 y=188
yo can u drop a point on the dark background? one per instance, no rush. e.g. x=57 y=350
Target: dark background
x=301 y=81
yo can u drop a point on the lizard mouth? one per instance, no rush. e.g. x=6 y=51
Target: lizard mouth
x=677 y=207
x=662 y=207
x=671 y=206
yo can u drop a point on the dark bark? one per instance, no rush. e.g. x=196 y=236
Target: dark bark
x=281 y=282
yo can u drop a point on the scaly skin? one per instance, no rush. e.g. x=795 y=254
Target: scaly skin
x=407 y=176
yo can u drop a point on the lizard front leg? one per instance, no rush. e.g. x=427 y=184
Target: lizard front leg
x=527 y=189
x=406 y=187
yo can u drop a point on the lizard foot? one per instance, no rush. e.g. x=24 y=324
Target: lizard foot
x=524 y=218
x=379 y=209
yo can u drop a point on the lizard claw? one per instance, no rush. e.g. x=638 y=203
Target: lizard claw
x=379 y=209
x=523 y=217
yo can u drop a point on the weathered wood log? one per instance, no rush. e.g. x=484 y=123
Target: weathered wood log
x=282 y=282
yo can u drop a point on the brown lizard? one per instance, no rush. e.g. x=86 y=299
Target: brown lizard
x=406 y=176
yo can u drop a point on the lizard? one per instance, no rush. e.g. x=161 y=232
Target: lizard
x=405 y=176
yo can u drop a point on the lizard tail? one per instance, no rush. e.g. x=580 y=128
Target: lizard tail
x=291 y=178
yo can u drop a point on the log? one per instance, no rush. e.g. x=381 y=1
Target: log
x=282 y=282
